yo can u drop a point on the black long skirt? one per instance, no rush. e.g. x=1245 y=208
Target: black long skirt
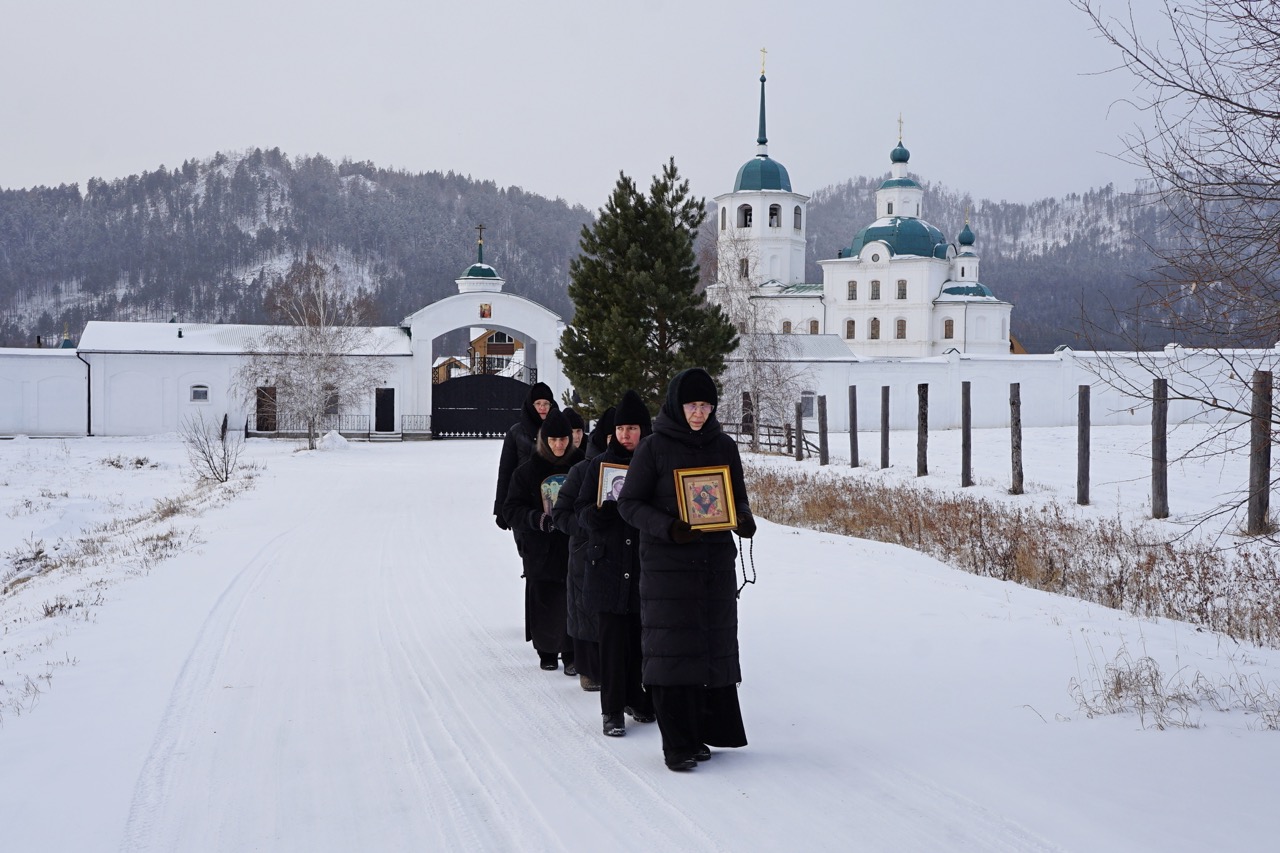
x=545 y=617
x=690 y=717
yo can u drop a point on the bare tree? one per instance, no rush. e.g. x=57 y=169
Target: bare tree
x=212 y=450
x=320 y=359
x=764 y=364
x=1208 y=81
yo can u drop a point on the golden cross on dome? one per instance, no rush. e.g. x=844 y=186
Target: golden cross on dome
x=899 y=127
x=480 y=228
x=763 y=51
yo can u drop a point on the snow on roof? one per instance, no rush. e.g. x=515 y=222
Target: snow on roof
x=218 y=338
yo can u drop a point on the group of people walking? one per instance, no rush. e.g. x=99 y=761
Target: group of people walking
x=621 y=587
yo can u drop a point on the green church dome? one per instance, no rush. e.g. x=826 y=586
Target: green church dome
x=904 y=236
x=966 y=237
x=479 y=270
x=899 y=154
x=762 y=173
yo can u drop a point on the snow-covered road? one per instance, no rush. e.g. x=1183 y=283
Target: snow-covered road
x=341 y=666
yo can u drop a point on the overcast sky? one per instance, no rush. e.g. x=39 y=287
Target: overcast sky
x=998 y=97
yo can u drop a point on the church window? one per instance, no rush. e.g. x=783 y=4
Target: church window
x=807 y=400
x=875 y=290
x=330 y=400
x=874 y=332
x=724 y=217
x=891 y=208
x=199 y=393
x=744 y=267
x=786 y=327
x=813 y=327
x=962 y=272
x=902 y=288
x=775 y=216
x=848 y=329
x=853 y=291
x=948 y=329
x=744 y=216
x=742 y=327
x=501 y=338
x=900 y=329
x=798 y=218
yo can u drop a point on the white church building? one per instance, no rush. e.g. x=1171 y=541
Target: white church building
x=900 y=289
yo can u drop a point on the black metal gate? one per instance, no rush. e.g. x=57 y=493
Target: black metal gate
x=476 y=406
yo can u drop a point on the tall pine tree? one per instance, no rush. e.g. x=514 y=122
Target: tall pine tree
x=638 y=316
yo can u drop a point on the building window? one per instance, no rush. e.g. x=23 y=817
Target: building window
x=330 y=400
x=962 y=272
x=948 y=329
x=813 y=327
x=724 y=217
x=744 y=267
x=501 y=338
x=744 y=216
x=797 y=218
x=199 y=393
x=775 y=216
x=891 y=208
x=786 y=327
x=853 y=291
x=807 y=407
x=874 y=332
x=902 y=288
x=875 y=290
x=848 y=329
x=900 y=329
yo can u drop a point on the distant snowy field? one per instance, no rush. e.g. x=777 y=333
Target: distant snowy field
x=333 y=659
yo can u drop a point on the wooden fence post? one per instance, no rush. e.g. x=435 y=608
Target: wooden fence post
x=884 y=426
x=1015 y=435
x=1159 y=448
x=966 y=435
x=824 y=455
x=922 y=430
x=853 y=426
x=1082 y=447
x=799 y=432
x=786 y=437
x=1260 y=455
x=749 y=421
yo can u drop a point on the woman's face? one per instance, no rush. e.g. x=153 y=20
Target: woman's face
x=542 y=407
x=558 y=444
x=696 y=413
x=628 y=435
x=577 y=438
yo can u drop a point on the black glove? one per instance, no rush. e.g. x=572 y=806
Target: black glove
x=501 y=522
x=746 y=527
x=681 y=533
x=546 y=523
x=607 y=512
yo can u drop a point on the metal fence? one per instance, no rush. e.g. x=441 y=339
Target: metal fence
x=282 y=424
x=415 y=424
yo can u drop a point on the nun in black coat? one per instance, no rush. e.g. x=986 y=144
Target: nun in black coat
x=544 y=549
x=519 y=442
x=612 y=587
x=583 y=624
x=688 y=578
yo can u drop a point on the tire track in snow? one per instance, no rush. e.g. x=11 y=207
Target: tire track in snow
x=150 y=797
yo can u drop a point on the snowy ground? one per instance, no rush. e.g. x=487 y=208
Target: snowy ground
x=333 y=660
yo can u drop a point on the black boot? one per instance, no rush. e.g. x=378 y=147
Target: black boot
x=680 y=762
x=614 y=725
x=548 y=660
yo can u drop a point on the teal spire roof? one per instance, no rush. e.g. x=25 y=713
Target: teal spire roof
x=761 y=172
x=899 y=154
x=904 y=235
x=480 y=269
x=966 y=237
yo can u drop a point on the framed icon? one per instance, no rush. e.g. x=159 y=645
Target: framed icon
x=550 y=490
x=705 y=497
x=486 y=311
x=612 y=477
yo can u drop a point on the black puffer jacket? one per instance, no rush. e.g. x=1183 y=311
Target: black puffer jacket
x=584 y=624
x=688 y=593
x=545 y=555
x=613 y=549
x=517 y=447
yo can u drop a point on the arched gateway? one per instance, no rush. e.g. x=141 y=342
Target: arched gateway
x=483 y=405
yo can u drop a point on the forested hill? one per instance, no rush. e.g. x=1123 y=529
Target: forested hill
x=205 y=240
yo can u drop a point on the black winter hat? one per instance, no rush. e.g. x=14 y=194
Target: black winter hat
x=697 y=386
x=541 y=391
x=556 y=425
x=632 y=410
x=604 y=429
x=575 y=419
